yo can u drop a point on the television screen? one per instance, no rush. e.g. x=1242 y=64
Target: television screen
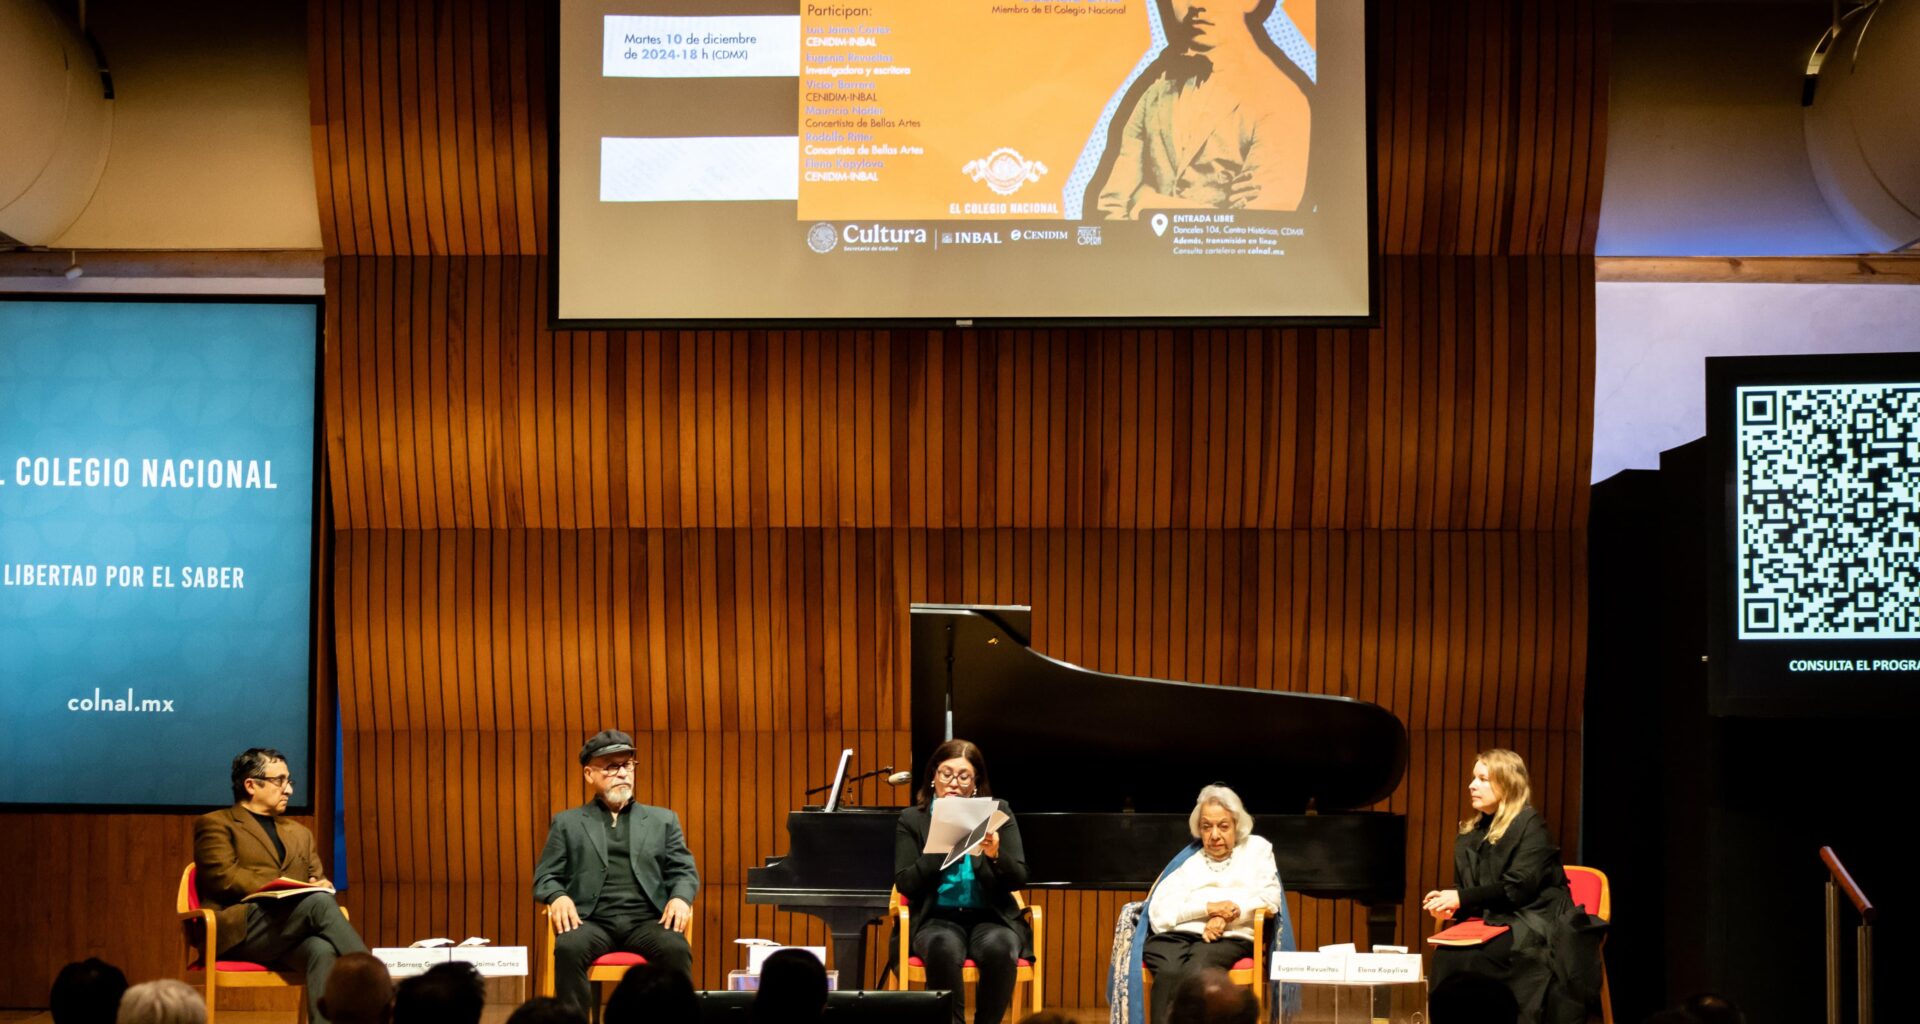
x=156 y=547
x=1820 y=533
x=1033 y=160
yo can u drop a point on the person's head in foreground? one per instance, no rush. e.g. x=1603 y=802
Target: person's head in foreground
x=1210 y=997
x=793 y=989
x=546 y=1010
x=1471 y=998
x=359 y=991
x=87 y=992
x=652 y=994
x=450 y=993
x=162 y=1002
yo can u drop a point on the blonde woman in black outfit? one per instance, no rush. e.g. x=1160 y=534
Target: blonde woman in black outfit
x=1507 y=872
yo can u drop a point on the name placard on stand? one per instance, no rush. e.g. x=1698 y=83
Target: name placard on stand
x=408 y=961
x=493 y=961
x=1338 y=987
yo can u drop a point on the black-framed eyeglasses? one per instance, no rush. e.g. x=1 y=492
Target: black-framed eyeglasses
x=953 y=778
x=276 y=781
x=620 y=767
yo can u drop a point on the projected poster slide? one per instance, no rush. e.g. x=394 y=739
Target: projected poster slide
x=156 y=547
x=1104 y=159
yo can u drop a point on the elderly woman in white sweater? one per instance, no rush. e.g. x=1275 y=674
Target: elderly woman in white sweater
x=1201 y=910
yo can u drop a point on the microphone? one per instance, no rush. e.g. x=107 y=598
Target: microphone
x=897 y=778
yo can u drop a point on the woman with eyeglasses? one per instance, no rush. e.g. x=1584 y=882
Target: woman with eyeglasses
x=966 y=912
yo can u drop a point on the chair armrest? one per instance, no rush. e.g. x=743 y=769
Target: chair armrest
x=1039 y=917
x=902 y=916
x=208 y=940
x=1260 y=955
x=543 y=960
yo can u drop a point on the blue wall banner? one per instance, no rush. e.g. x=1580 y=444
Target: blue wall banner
x=156 y=547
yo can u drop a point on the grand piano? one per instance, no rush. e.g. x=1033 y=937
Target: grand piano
x=1102 y=770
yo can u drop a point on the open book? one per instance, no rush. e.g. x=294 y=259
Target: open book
x=1471 y=932
x=960 y=824
x=283 y=887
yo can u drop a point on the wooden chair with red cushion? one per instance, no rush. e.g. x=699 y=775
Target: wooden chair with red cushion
x=1594 y=894
x=198 y=937
x=1245 y=972
x=610 y=967
x=913 y=970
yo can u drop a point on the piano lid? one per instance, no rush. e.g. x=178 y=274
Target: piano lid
x=1063 y=738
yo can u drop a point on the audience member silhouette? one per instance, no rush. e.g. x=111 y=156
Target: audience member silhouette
x=162 y=1002
x=793 y=989
x=450 y=993
x=546 y=1010
x=1209 y=997
x=652 y=994
x=87 y=992
x=359 y=991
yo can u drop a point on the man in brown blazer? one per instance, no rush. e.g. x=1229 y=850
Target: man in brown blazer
x=237 y=851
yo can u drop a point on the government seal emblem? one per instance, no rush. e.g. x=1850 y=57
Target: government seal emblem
x=822 y=238
x=1004 y=170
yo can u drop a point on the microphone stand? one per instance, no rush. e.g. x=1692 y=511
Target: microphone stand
x=851 y=779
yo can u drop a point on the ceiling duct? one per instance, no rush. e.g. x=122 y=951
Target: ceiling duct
x=56 y=118
x=1863 y=122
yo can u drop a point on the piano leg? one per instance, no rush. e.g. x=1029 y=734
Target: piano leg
x=848 y=926
x=1382 y=920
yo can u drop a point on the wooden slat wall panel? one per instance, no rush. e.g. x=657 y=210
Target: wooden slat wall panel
x=1464 y=411
x=430 y=125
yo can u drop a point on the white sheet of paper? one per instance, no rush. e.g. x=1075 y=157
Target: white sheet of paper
x=956 y=816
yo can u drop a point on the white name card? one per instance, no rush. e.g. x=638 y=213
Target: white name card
x=407 y=961
x=1322 y=968
x=1383 y=968
x=493 y=961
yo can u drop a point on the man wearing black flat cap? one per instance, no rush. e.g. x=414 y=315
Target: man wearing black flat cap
x=615 y=875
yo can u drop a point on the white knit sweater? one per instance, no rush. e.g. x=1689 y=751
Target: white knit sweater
x=1248 y=877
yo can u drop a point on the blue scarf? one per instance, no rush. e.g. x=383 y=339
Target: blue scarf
x=1135 y=976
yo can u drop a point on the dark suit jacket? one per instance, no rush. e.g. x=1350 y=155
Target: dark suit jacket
x=1520 y=872
x=574 y=862
x=232 y=857
x=917 y=875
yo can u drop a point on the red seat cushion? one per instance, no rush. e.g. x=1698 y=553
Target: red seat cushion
x=620 y=960
x=914 y=961
x=234 y=965
x=1245 y=963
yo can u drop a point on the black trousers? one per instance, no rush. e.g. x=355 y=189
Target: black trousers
x=302 y=935
x=946 y=939
x=575 y=950
x=1172 y=956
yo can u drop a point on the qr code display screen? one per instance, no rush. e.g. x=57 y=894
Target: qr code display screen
x=1828 y=480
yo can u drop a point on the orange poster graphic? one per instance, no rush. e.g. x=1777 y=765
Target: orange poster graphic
x=980 y=109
